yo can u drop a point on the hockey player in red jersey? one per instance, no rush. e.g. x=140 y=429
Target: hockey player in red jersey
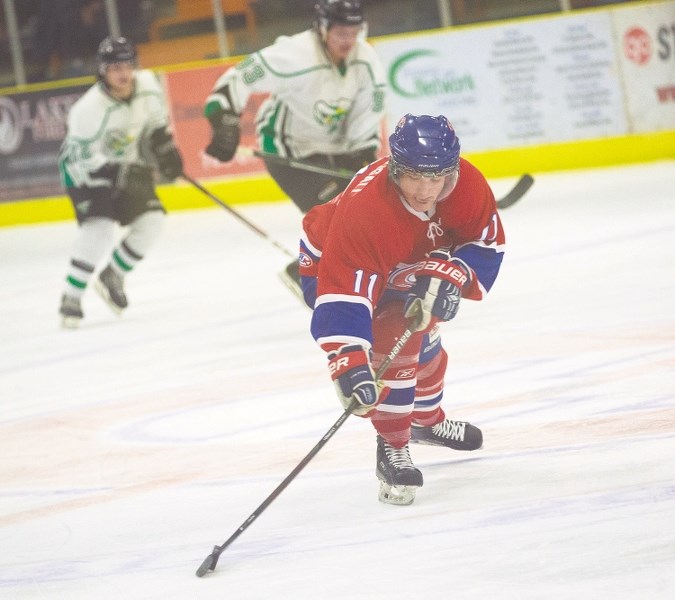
x=409 y=237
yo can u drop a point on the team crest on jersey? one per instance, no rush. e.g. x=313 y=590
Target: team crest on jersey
x=331 y=116
x=117 y=140
x=402 y=277
x=305 y=260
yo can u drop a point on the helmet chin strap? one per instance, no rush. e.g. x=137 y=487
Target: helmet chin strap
x=322 y=28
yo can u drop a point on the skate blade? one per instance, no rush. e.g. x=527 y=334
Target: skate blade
x=70 y=322
x=401 y=495
x=103 y=292
x=459 y=446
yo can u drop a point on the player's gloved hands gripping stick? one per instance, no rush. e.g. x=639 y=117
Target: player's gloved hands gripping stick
x=127 y=178
x=353 y=377
x=437 y=290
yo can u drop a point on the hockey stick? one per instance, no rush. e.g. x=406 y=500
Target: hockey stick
x=522 y=185
x=239 y=216
x=304 y=166
x=209 y=563
x=518 y=191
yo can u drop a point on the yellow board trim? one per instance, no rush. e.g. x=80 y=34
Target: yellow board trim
x=500 y=163
x=180 y=196
x=584 y=154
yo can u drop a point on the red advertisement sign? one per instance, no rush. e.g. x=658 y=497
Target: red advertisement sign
x=187 y=92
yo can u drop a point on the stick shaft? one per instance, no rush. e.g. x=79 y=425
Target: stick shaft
x=304 y=166
x=240 y=217
x=517 y=192
x=212 y=559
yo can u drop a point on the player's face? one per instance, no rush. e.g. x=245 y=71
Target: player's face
x=340 y=40
x=119 y=78
x=422 y=193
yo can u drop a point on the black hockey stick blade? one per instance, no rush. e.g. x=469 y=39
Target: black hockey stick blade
x=518 y=191
x=209 y=563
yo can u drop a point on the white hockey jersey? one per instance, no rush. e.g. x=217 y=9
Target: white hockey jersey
x=314 y=106
x=104 y=130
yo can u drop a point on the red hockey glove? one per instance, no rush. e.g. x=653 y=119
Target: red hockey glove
x=438 y=289
x=354 y=378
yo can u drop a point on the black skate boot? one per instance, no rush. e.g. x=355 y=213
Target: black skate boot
x=110 y=286
x=71 y=312
x=399 y=477
x=457 y=435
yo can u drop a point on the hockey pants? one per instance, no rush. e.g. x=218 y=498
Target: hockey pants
x=414 y=380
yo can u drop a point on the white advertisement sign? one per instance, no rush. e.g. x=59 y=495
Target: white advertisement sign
x=645 y=37
x=534 y=82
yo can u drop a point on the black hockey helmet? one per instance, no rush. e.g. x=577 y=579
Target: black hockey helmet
x=337 y=12
x=114 y=50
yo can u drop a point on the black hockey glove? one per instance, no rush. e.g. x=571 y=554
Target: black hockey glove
x=355 y=161
x=354 y=378
x=131 y=179
x=438 y=289
x=226 y=133
x=163 y=148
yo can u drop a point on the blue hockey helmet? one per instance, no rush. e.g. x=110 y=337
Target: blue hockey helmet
x=114 y=50
x=423 y=145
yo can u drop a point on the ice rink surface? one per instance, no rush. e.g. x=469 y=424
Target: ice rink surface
x=129 y=448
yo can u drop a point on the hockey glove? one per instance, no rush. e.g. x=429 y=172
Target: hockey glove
x=353 y=377
x=163 y=148
x=132 y=179
x=355 y=161
x=226 y=133
x=437 y=290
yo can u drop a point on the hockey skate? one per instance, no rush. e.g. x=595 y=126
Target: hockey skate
x=110 y=286
x=291 y=278
x=71 y=312
x=399 y=477
x=457 y=435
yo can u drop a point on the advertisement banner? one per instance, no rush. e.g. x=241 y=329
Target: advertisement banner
x=187 y=92
x=645 y=39
x=519 y=84
x=32 y=127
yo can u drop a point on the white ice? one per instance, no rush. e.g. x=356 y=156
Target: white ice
x=133 y=446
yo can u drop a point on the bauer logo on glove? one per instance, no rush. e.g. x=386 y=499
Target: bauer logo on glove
x=438 y=289
x=446 y=270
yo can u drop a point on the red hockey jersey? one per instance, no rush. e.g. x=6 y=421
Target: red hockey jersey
x=368 y=241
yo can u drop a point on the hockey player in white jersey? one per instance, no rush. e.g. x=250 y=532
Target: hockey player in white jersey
x=326 y=104
x=118 y=139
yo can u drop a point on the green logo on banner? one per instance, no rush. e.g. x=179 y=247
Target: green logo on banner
x=423 y=82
